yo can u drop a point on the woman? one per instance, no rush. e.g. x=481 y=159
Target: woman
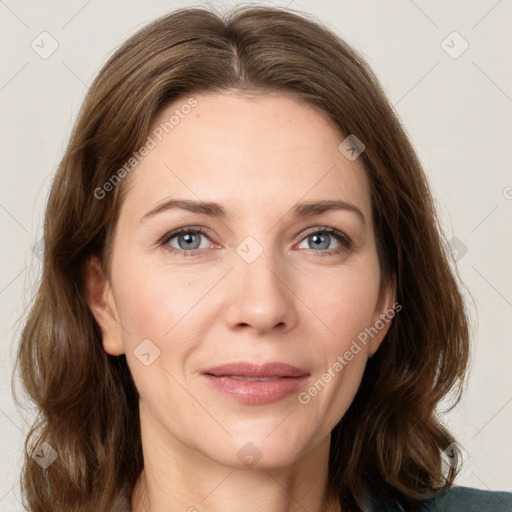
x=245 y=301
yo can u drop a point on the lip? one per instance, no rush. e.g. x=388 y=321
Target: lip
x=246 y=369
x=285 y=380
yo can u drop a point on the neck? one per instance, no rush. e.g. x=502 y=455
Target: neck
x=177 y=478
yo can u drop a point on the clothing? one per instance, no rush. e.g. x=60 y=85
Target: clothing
x=455 y=499
x=458 y=499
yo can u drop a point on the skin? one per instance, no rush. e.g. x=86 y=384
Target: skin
x=257 y=157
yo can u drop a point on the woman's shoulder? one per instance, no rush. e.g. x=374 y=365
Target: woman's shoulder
x=453 y=499
x=469 y=499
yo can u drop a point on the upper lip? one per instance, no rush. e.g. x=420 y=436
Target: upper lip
x=246 y=369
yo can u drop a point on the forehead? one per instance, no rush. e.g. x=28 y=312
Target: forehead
x=252 y=153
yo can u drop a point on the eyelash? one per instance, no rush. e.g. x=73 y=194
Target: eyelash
x=345 y=241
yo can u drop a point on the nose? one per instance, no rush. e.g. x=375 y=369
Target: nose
x=260 y=295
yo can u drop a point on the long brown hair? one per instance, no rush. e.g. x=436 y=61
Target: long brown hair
x=391 y=439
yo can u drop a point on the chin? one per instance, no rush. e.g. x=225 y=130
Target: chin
x=258 y=452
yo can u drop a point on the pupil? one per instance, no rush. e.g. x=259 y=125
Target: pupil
x=189 y=240
x=317 y=240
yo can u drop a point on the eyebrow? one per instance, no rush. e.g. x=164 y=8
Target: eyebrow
x=212 y=209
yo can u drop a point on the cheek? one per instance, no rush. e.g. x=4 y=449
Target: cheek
x=159 y=307
x=155 y=300
x=346 y=303
x=171 y=308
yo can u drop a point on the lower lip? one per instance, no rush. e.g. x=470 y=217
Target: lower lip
x=257 y=392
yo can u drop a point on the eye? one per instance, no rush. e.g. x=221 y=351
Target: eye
x=186 y=241
x=320 y=239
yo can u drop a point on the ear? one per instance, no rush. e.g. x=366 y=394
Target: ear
x=385 y=311
x=102 y=305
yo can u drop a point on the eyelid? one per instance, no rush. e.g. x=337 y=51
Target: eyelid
x=184 y=229
x=324 y=229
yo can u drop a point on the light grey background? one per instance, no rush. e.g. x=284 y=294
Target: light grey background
x=457 y=112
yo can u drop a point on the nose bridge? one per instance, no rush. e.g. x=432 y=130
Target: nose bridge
x=261 y=297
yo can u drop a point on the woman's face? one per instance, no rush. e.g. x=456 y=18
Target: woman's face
x=257 y=286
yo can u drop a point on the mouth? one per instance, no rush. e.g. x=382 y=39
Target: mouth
x=256 y=384
x=250 y=379
x=256 y=371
